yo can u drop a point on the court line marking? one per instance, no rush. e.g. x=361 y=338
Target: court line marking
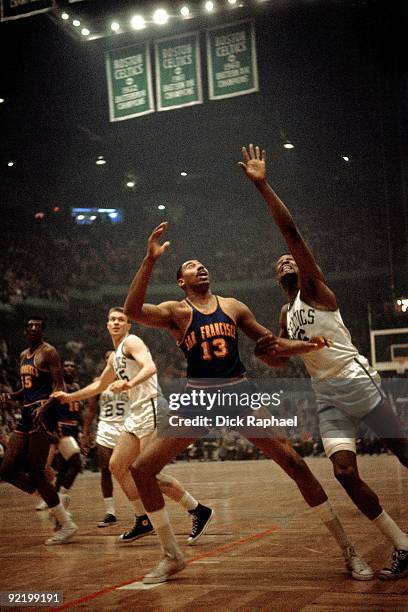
x=211 y=553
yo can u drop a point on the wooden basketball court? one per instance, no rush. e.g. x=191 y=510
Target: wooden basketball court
x=264 y=550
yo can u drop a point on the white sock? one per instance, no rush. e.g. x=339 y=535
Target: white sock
x=138 y=507
x=188 y=502
x=61 y=514
x=109 y=505
x=332 y=523
x=160 y=521
x=390 y=529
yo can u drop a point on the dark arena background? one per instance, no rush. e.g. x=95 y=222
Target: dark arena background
x=81 y=189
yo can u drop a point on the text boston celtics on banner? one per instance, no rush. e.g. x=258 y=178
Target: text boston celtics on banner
x=231 y=58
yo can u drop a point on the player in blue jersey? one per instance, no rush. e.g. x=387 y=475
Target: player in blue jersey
x=205 y=327
x=348 y=390
x=41 y=374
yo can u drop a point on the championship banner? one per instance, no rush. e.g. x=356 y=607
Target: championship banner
x=178 y=71
x=231 y=56
x=129 y=76
x=14 y=9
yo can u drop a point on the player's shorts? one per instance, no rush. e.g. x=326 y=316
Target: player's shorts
x=107 y=433
x=68 y=428
x=344 y=401
x=28 y=413
x=142 y=420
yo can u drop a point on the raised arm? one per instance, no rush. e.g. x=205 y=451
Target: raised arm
x=254 y=167
x=150 y=315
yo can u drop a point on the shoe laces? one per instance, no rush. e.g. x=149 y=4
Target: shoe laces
x=397 y=556
x=195 y=525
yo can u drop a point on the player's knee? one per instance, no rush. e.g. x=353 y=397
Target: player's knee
x=142 y=471
x=116 y=468
x=346 y=474
x=75 y=461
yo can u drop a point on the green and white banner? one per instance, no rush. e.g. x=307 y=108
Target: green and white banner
x=178 y=71
x=231 y=56
x=129 y=77
x=14 y=9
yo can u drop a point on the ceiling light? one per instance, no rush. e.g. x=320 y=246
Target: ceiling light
x=185 y=11
x=209 y=6
x=10 y=163
x=85 y=32
x=130 y=184
x=232 y=1
x=160 y=16
x=137 y=22
x=2 y=100
x=161 y=207
x=64 y=16
x=183 y=173
x=100 y=161
x=346 y=159
x=115 y=26
x=81 y=217
x=288 y=145
x=76 y=23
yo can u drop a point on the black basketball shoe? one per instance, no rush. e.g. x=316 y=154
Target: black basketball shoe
x=141 y=528
x=202 y=516
x=399 y=567
x=109 y=519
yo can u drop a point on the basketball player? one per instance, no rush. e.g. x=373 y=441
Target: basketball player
x=133 y=365
x=205 y=327
x=66 y=441
x=41 y=373
x=347 y=389
x=113 y=411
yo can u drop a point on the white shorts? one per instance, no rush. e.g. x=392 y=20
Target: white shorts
x=108 y=433
x=342 y=402
x=142 y=420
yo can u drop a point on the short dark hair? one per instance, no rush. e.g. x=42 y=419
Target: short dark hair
x=180 y=271
x=34 y=318
x=69 y=362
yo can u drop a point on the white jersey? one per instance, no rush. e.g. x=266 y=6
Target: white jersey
x=113 y=407
x=126 y=368
x=303 y=322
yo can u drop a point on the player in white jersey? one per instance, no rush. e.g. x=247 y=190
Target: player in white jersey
x=347 y=388
x=131 y=369
x=113 y=410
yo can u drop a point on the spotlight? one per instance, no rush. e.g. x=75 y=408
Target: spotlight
x=85 y=32
x=346 y=159
x=64 y=16
x=137 y=22
x=288 y=145
x=161 y=207
x=130 y=184
x=183 y=173
x=115 y=26
x=76 y=23
x=100 y=161
x=209 y=6
x=185 y=11
x=92 y=217
x=10 y=164
x=160 y=16
x=2 y=100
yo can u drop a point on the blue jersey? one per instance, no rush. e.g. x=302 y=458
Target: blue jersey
x=210 y=345
x=37 y=384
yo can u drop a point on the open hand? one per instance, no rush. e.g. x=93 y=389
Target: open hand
x=253 y=164
x=154 y=248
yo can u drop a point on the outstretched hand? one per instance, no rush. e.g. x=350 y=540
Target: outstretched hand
x=154 y=248
x=254 y=163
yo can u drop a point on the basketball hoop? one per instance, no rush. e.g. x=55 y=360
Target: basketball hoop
x=401 y=364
